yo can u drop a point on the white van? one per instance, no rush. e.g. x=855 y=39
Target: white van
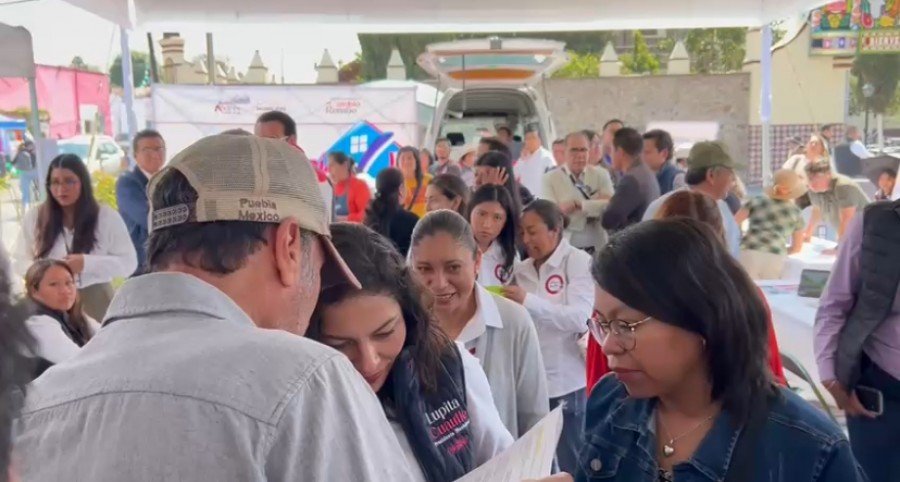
x=488 y=83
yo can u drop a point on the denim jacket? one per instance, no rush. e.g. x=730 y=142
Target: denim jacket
x=797 y=443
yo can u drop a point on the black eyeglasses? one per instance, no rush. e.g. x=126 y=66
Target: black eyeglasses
x=622 y=331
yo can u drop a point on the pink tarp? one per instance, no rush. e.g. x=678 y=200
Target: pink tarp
x=61 y=91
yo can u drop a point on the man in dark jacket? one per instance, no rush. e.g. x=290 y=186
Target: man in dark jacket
x=131 y=188
x=637 y=186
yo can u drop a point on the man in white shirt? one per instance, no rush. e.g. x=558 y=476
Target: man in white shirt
x=201 y=371
x=849 y=155
x=534 y=161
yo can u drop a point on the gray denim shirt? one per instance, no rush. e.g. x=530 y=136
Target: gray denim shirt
x=181 y=386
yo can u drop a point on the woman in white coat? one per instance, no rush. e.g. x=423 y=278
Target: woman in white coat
x=555 y=285
x=58 y=324
x=495 y=225
x=72 y=227
x=498 y=332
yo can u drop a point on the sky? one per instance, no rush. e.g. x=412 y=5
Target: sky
x=61 y=31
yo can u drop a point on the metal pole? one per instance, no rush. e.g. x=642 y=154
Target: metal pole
x=35 y=114
x=765 y=105
x=128 y=84
x=210 y=60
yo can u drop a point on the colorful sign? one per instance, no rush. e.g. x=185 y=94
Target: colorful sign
x=851 y=26
x=371 y=149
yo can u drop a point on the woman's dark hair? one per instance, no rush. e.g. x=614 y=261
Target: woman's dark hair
x=494 y=144
x=415 y=153
x=452 y=187
x=500 y=160
x=50 y=215
x=381 y=270
x=343 y=159
x=707 y=293
x=17 y=365
x=445 y=221
x=549 y=213
x=508 y=235
x=694 y=205
x=386 y=201
x=33 y=278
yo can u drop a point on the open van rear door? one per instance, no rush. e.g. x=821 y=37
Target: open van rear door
x=493 y=61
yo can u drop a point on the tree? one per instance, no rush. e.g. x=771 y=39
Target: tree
x=883 y=72
x=640 y=60
x=580 y=66
x=140 y=64
x=712 y=50
x=351 y=72
x=79 y=63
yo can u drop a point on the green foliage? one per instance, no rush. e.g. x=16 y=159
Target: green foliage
x=80 y=64
x=580 y=66
x=140 y=64
x=883 y=72
x=376 y=48
x=105 y=188
x=712 y=50
x=352 y=71
x=640 y=60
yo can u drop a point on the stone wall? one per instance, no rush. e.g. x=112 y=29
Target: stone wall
x=589 y=103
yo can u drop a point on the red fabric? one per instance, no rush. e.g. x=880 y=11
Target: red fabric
x=358 y=198
x=597 y=364
x=60 y=91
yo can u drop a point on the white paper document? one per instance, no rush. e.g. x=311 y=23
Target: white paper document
x=530 y=457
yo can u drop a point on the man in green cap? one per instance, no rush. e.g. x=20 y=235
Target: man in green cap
x=711 y=172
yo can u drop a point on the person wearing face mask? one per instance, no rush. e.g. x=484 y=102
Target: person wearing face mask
x=691 y=396
x=434 y=393
x=58 y=324
x=554 y=285
x=495 y=225
x=73 y=227
x=498 y=332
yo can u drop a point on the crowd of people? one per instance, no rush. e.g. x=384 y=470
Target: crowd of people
x=282 y=321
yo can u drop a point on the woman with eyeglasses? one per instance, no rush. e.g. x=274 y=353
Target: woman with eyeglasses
x=692 y=397
x=554 y=285
x=702 y=208
x=71 y=226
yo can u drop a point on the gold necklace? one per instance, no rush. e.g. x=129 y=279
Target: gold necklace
x=669 y=448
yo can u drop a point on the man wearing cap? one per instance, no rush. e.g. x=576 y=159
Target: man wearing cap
x=711 y=172
x=200 y=371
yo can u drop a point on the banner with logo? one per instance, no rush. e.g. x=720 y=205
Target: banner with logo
x=850 y=26
x=368 y=124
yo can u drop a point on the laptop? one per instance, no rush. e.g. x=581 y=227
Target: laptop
x=812 y=283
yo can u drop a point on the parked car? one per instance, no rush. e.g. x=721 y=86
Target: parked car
x=491 y=82
x=99 y=153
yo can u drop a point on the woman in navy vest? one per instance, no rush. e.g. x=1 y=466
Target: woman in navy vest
x=435 y=395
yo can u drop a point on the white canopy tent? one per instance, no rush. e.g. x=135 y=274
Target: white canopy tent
x=469 y=16
x=17 y=60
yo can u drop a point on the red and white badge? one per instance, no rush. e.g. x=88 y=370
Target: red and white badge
x=554 y=284
x=501 y=274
